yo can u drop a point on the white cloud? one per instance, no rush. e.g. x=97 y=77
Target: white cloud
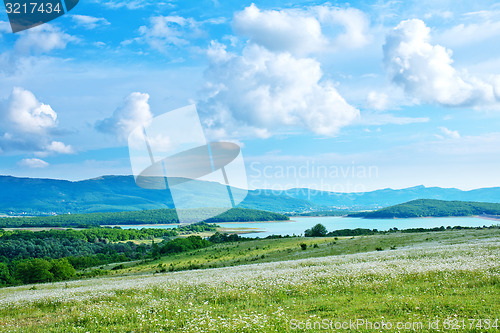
x=449 y=133
x=261 y=92
x=168 y=30
x=28 y=124
x=463 y=34
x=378 y=118
x=354 y=22
x=56 y=147
x=129 y=4
x=439 y=14
x=484 y=15
x=301 y=31
x=483 y=146
x=33 y=163
x=89 y=22
x=425 y=70
x=134 y=112
x=42 y=39
x=377 y=100
x=291 y=30
x=33 y=42
x=28 y=115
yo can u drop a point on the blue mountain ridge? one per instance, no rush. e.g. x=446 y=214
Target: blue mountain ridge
x=36 y=196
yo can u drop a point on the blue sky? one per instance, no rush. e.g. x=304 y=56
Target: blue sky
x=379 y=94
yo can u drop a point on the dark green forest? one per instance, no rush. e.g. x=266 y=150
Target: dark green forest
x=157 y=216
x=432 y=208
x=56 y=255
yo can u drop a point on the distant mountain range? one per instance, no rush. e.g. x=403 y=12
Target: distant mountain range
x=33 y=196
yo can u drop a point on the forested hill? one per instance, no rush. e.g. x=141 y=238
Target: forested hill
x=38 y=197
x=432 y=208
x=157 y=216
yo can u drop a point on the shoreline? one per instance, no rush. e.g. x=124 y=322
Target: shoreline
x=240 y=231
x=179 y=224
x=489 y=217
x=257 y=222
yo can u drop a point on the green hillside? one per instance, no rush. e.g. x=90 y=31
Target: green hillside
x=277 y=285
x=432 y=208
x=157 y=216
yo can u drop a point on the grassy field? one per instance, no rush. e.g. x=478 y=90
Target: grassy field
x=436 y=279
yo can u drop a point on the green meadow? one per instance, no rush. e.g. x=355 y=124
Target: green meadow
x=429 y=281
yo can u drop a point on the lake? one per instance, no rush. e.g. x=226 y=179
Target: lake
x=297 y=225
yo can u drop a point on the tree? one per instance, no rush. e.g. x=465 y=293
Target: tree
x=155 y=253
x=33 y=271
x=318 y=230
x=5 y=278
x=62 y=269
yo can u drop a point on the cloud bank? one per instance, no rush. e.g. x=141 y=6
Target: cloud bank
x=275 y=84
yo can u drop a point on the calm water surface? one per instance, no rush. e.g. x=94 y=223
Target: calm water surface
x=297 y=225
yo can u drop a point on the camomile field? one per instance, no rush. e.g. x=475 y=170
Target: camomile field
x=426 y=282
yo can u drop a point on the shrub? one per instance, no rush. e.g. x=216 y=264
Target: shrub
x=318 y=230
x=185 y=244
x=303 y=246
x=223 y=238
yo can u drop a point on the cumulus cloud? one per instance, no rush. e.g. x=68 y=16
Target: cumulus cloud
x=56 y=147
x=260 y=91
x=28 y=125
x=301 y=31
x=89 y=22
x=32 y=163
x=27 y=114
x=291 y=30
x=425 y=70
x=134 y=112
x=275 y=83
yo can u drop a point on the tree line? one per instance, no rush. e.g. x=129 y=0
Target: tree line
x=320 y=230
x=156 y=216
x=54 y=253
